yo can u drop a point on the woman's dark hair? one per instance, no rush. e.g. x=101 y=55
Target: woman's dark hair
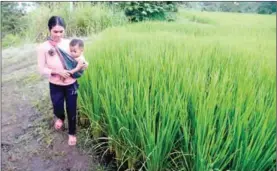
x=55 y=20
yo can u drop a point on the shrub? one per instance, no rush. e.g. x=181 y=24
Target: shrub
x=10 y=39
x=139 y=11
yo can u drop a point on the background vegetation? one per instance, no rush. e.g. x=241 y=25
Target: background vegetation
x=20 y=25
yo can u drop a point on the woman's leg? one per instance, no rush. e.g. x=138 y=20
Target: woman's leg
x=71 y=110
x=57 y=95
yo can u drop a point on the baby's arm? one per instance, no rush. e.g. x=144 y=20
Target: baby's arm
x=82 y=58
x=80 y=65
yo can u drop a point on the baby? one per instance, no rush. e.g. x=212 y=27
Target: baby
x=76 y=48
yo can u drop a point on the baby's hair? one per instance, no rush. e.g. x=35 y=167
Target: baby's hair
x=78 y=42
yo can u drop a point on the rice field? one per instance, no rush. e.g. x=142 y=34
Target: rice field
x=198 y=94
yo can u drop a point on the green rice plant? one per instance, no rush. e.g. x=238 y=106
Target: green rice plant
x=166 y=98
x=195 y=18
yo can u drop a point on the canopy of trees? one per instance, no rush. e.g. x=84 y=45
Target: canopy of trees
x=241 y=7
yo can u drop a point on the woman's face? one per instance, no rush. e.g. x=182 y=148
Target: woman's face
x=57 y=33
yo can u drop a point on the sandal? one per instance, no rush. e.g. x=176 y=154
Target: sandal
x=58 y=124
x=72 y=140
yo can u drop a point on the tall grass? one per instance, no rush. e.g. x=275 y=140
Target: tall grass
x=83 y=20
x=168 y=98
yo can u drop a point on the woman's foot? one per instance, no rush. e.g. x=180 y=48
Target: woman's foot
x=58 y=124
x=72 y=140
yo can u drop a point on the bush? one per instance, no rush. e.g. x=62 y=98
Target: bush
x=11 y=13
x=94 y=19
x=139 y=11
x=10 y=40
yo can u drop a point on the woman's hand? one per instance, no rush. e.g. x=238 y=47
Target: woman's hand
x=65 y=74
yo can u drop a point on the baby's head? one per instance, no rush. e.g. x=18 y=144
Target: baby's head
x=76 y=47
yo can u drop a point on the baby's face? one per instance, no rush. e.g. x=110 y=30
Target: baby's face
x=76 y=51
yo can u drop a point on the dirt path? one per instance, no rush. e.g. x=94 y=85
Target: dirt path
x=29 y=142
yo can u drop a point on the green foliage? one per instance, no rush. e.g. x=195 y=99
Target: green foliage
x=90 y=19
x=35 y=24
x=185 y=95
x=83 y=19
x=10 y=14
x=139 y=11
x=10 y=39
x=240 y=7
x=267 y=8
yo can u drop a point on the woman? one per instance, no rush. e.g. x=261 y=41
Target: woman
x=62 y=85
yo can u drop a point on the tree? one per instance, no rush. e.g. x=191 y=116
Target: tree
x=11 y=14
x=244 y=7
x=267 y=7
